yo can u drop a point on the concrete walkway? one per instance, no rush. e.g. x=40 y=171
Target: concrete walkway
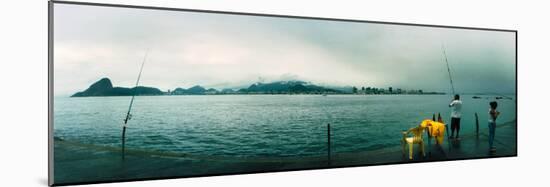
x=76 y=163
x=469 y=146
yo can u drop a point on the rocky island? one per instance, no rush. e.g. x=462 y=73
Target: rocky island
x=104 y=87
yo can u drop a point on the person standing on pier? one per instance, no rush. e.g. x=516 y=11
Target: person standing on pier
x=456 y=108
x=493 y=114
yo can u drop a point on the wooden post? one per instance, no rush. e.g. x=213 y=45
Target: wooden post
x=477 y=126
x=328 y=143
x=448 y=137
x=123 y=139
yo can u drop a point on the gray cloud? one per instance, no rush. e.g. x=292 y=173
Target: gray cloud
x=222 y=51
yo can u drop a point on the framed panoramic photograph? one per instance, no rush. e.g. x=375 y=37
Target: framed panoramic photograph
x=140 y=93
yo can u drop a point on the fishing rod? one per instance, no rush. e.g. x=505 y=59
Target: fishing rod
x=452 y=85
x=128 y=114
x=448 y=69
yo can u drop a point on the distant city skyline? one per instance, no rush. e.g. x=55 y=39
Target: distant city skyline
x=233 y=51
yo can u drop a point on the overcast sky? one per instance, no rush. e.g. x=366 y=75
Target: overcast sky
x=233 y=51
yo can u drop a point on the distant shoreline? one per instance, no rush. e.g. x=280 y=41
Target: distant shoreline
x=104 y=87
x=253 y=94
x=341 y=94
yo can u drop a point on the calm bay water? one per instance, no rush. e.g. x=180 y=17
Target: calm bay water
x=259 y=125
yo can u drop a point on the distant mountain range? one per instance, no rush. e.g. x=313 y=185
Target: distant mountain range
x=284 y=87
x=104 y=87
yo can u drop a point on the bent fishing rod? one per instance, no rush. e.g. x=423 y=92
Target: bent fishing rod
x=448 y=69
x=452 y=86
x=128 y=114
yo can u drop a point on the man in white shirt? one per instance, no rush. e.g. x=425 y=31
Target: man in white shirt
x=456 y=107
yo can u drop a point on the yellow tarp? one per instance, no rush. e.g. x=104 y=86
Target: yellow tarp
x=436 y=129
